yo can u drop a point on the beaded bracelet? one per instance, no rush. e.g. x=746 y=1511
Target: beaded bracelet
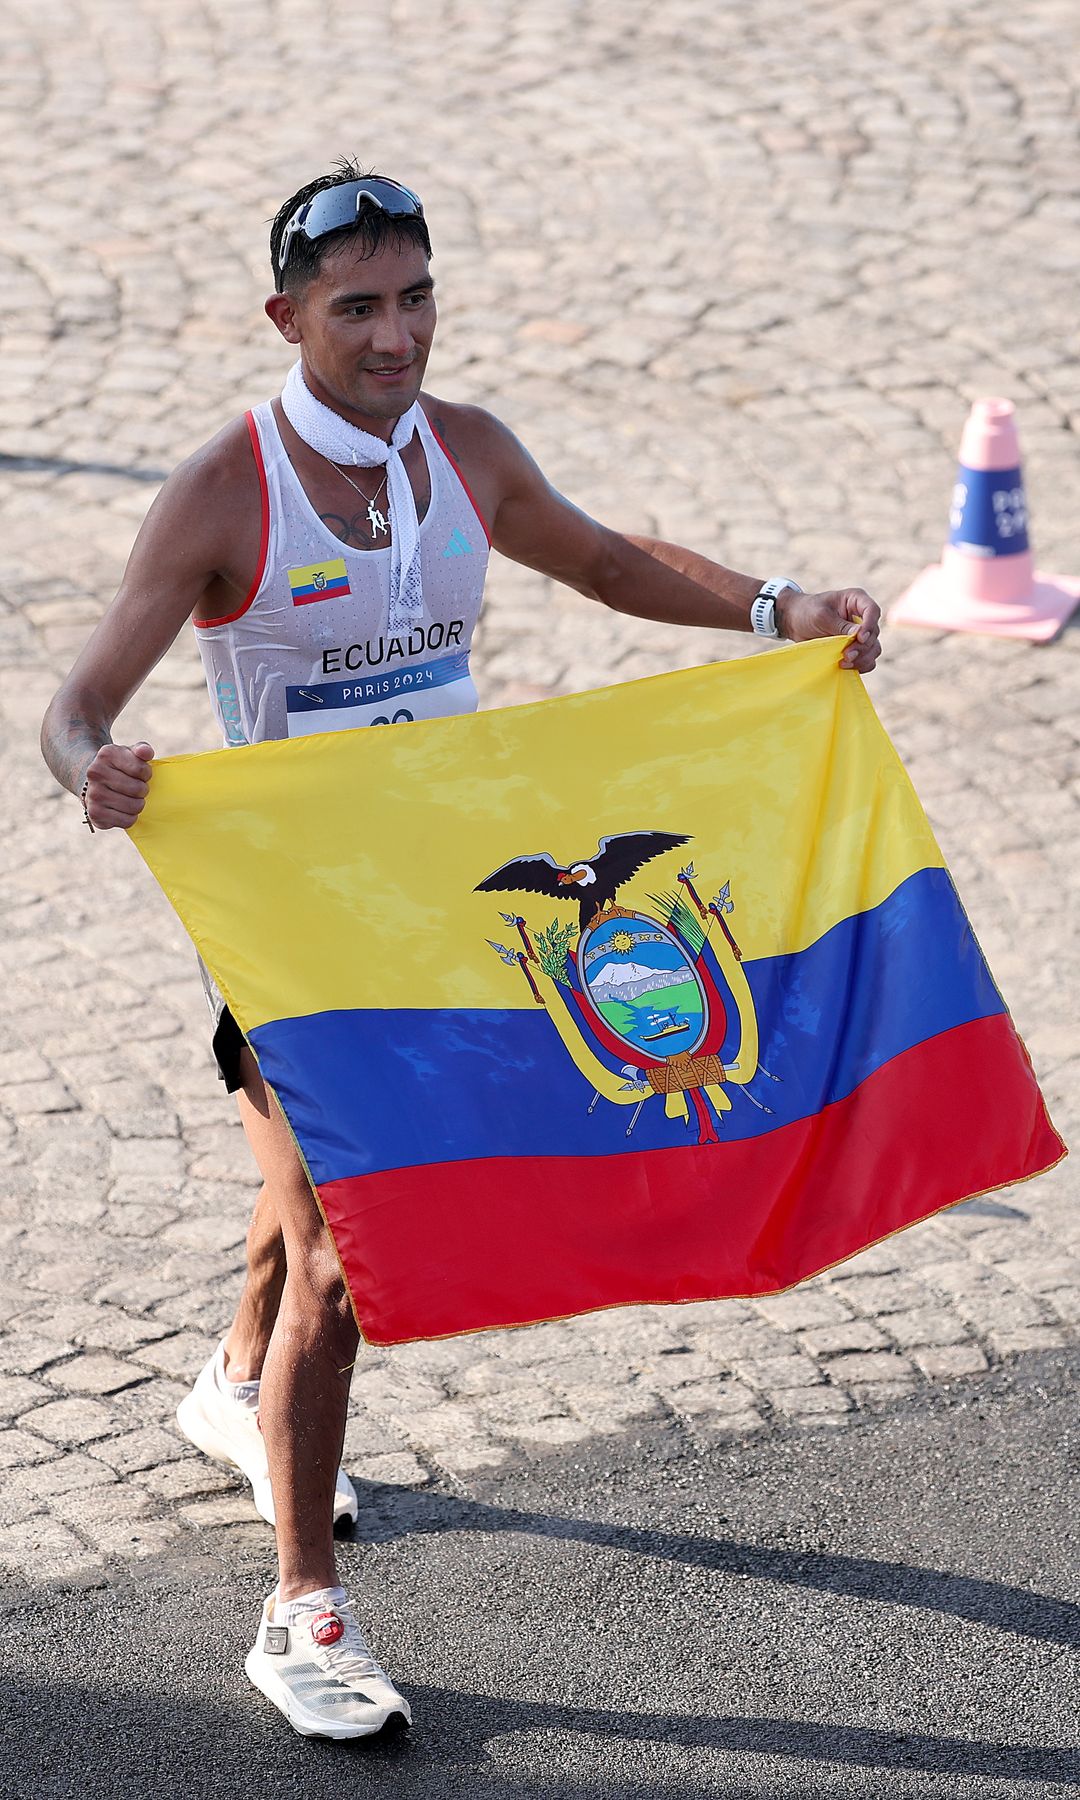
x=87 y=820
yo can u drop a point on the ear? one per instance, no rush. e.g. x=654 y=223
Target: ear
x=282 y=309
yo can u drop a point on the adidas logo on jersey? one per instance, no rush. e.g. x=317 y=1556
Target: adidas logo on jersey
x=458 y=544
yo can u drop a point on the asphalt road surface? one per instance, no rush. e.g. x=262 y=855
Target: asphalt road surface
x=886 y=1610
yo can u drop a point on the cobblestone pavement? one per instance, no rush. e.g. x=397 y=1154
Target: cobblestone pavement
x=735 y=274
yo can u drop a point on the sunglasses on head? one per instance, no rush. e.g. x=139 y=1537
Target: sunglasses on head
x=337 y=207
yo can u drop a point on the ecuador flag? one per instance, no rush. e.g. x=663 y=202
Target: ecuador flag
x=656 y=993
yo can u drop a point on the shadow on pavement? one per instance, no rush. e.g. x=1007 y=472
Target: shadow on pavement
x=179 y=1745
x=62 y=465
x=389 y=1514
x=561 y=1657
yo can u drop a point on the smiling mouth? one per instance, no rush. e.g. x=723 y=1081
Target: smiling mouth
x=391 y=374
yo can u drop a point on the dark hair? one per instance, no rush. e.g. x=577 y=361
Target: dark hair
x=373 y=228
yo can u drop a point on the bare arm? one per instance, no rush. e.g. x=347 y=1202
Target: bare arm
x=644 y=577
x=841 y=612
x=180 y=550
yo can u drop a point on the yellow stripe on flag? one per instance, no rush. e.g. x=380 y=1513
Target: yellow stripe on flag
x=774 y=766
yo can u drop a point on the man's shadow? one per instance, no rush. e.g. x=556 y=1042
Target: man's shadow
x=477 y=1719
x=204 y=1749
x=167 y=1732
x=388 y=1514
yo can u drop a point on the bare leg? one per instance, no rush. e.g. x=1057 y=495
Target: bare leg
x=248 y=1337
x=304 y=1396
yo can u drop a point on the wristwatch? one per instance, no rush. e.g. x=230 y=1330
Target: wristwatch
x=763 y=605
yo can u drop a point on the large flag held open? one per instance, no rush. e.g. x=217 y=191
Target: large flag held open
x=656 y=993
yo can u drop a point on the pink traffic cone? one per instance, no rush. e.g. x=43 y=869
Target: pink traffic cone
x=986 y=580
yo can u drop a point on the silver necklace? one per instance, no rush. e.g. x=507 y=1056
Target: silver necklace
x=377 y=520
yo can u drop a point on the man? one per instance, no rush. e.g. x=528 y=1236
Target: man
x=327 y=546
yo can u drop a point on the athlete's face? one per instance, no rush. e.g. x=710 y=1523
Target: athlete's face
x=364 y=326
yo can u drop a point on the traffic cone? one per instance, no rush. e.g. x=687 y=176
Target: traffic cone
x=986 y=581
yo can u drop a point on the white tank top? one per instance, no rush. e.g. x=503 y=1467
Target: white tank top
x=309 y=649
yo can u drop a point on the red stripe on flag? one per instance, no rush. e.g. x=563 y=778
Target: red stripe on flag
x=453 y=1247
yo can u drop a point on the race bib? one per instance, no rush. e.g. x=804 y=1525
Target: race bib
x=432 y=690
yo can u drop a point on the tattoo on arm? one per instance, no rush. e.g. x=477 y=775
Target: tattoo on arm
x=69 y=744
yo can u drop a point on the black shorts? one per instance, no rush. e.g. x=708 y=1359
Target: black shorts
x=227 y=1040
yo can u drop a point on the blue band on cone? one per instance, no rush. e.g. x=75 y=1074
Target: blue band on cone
x=988 y=516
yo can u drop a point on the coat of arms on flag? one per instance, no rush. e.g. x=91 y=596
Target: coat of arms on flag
x=747 y=1034
x=651 y=985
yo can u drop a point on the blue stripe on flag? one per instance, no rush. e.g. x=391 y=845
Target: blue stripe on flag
x=333 y=589
x=368 y=1090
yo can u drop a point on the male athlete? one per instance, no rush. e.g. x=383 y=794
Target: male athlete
x=323 y=545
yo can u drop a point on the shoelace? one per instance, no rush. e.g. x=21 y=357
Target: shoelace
x=349 y=1660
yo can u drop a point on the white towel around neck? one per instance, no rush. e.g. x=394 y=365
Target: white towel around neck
x=333 y=437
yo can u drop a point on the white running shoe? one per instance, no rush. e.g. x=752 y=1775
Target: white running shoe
x=312 y=1662
x=225 y=1425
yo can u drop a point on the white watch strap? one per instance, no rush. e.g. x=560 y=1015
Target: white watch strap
x=763 y=605
x=763 y=616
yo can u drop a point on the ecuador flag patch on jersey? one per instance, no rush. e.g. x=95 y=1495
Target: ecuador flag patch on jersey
x=319 y=581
